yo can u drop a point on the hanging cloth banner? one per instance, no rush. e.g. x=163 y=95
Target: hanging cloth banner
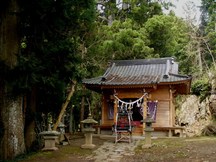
x=152 y=109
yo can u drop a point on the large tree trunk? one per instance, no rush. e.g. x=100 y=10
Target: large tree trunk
x=30 y=134
x=11 y=112
x=12 y=142
x=9 y=33
x=82 y=109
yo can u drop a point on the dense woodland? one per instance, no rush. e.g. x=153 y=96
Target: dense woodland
x=49 y=46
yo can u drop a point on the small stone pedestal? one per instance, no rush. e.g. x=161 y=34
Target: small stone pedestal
x=88 y=138
x=49 y=140
x=148 y=131
x=148 y=142
x=88 y=130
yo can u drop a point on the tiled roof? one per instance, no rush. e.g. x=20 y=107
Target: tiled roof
x=139 y=72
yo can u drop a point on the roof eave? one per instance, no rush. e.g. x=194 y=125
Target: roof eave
x=184 y=84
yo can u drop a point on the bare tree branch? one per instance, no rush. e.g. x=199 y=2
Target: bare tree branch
x=64 y=106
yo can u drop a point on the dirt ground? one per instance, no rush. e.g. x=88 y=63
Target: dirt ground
x=197 y=149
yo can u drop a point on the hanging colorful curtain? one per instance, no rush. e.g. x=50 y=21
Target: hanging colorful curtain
x=152 y=109
x=110 y=110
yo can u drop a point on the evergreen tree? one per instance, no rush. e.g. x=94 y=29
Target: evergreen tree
x=208 y=28
x=50 y=56
x=137 y=10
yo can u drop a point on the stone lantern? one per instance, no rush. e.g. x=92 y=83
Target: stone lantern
x=61 y=128
x=148 y=130
x=88 y=131
x=50 y=138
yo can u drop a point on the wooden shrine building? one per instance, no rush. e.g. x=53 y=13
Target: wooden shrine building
x=136 y=84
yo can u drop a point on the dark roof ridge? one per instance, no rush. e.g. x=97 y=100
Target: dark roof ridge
x=180 y=75
x=142 y=61
x=166 y=75
x=104 y=77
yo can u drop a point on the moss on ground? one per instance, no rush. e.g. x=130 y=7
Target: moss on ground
x=62 y=154
x=175 y=149
x=168 y=149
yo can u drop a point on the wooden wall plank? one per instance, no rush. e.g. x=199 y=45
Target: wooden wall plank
x=164 y=116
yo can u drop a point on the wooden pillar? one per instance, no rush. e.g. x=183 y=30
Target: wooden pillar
x=115 y=109
x=172 y=108
x=144 y=111
x=103 y=110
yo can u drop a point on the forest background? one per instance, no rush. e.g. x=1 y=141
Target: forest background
x=49 y=46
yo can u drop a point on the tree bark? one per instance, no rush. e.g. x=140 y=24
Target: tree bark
x=64 y=106
x=12 y=143
x=71 y=121
x=11 y=108
x=30 y=134
x=82 y=109
x=9 y=34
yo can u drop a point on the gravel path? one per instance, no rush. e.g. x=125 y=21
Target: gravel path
x=111 y=152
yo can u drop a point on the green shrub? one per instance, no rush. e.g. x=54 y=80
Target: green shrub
x=201 y=88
